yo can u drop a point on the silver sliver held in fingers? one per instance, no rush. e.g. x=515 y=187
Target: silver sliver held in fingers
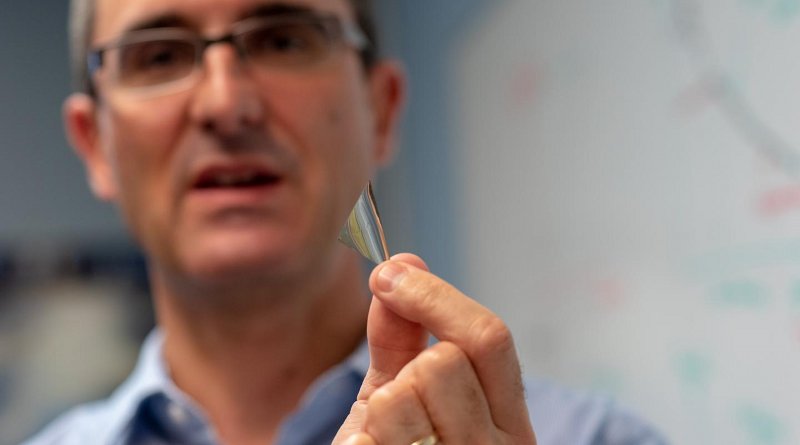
x=428 y=440
x=363 y=230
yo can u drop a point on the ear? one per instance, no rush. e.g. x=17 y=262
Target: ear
x=80 y=122
x=388 y=92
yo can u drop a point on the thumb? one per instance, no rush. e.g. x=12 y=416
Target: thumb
x=393 y=342
x=352 y=425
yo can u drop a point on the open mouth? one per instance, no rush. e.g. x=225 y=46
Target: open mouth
x=225 y=178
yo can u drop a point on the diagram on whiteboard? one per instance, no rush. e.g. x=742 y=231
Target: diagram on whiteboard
x=652 y=248
x=739 y=49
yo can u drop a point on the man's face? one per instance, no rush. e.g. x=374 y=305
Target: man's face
x=239 y=174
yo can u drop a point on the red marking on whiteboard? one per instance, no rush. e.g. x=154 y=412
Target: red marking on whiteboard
x=797 y=331
x=523 y=86
x=697 y=96
x=779 y=201
x=610 y=292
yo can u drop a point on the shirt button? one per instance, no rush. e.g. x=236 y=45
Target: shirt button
x=177 y=414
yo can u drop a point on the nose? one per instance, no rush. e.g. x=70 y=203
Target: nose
x=225 y=103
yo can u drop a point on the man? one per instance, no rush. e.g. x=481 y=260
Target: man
x=235 y=136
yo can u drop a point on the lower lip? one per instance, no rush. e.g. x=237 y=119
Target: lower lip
x=238 y=197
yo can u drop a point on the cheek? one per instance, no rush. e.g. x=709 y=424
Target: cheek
x=336 y=129
x=142 y=162
x=326 y=122
x=148 y=131
x=345 y=153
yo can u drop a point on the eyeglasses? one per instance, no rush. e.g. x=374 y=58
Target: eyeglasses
x=161 y=60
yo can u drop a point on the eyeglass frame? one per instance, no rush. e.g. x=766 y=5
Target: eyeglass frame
x=335 y=28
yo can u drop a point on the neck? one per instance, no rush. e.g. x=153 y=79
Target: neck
x=248 y=356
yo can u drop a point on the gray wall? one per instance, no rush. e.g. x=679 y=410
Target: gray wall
x=43 y=196
x=421 y=202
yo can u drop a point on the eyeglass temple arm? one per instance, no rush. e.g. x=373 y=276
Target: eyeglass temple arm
x=94 y=61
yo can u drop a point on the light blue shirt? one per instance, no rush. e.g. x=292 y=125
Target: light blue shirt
x=148 y=409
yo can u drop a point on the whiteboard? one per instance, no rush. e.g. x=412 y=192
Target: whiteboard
x=631 y=202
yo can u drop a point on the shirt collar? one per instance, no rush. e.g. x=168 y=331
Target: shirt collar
x=150 y=380
x=149 y=383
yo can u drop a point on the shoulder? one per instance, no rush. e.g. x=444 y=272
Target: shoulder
x=564 y=416
x=106 y=422
x=83 y=424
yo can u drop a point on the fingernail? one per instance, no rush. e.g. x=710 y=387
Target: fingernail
x=389 y=277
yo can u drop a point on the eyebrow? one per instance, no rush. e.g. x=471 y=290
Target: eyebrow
x=168 y=20
x=273 y=9
x=175 y=20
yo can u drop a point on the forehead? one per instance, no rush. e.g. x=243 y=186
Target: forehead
x=113 y=17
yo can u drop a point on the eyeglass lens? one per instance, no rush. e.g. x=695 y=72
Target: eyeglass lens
x=155 y=62
x=150 y=62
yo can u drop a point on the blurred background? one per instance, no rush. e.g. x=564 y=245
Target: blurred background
x=617 y=179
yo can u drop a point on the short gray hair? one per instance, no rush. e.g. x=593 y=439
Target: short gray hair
x=81 y=28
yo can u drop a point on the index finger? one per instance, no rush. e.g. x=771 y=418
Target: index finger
x=421 y=297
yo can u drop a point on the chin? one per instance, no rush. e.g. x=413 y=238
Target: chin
x=249 y=257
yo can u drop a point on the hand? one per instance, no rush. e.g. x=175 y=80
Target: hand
x=467 y=389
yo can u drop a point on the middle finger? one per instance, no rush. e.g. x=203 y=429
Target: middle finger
x=448 y=386
x=396 y=415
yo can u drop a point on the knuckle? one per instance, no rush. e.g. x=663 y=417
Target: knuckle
x=358 y=406
x=445 y=357
x=389 y=396
x=486 y=435
x=492 y=336
x=429 y=292
x=381 y=397
x=447 y=354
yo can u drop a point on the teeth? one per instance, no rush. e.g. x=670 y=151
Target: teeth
x=226 y=179
x=231 y=179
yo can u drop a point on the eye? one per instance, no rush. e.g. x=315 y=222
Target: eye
x=156 y=61
x=156 y=55
x=285 y=40
x=286 y=44
x=161 y=56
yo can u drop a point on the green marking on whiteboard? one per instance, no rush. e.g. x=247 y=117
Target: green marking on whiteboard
x=741 y=293
x=785 y=9
x=694 y=370
x=795 y=296
x=779 y=10
x=737 y=259
x=761 y=426
x=662 y=6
